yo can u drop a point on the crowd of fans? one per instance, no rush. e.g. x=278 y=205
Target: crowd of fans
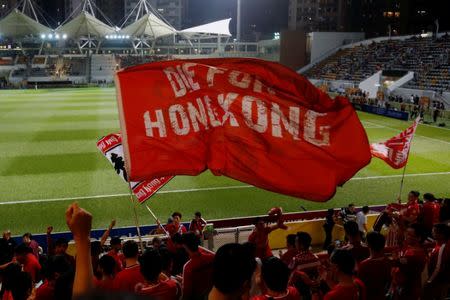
x=410 y=261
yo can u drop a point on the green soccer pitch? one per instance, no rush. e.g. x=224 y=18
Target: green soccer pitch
x=48 y=158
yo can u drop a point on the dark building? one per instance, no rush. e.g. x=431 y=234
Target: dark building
x=6 y=6
x=111 y=12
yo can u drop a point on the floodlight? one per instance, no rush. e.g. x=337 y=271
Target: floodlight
x=64 y=36
x=127 y=36
x=42 y=36
x=50 y=36
x=57 y=36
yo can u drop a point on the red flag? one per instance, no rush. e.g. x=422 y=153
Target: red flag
x=111 y=147
x=395 y=151
x=252 y=120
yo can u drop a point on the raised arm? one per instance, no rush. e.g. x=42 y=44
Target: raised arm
x=107 y=232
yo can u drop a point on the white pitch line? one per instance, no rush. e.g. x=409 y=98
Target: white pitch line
x=231 y=187
x=399 y=130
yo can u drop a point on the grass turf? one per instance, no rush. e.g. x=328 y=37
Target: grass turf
x=48 y=153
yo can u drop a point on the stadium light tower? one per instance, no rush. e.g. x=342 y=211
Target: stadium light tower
x=238 y=21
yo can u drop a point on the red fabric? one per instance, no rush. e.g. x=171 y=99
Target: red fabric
x=357 y=291
x=32 y=266
x=358 y=251
x=444 y=266
x=376 y=275
x=252 y=120
x=307 y=262
x=197 y=276
x=197 y=226
x=412 y=211
x=104 y=284
x=165 y=290
x=45 y=292
x=127 y=279
x=430 y=212
x=261 y=239
x=292 y=294
x=119 y=258
x=395 y=151
x=288 y=256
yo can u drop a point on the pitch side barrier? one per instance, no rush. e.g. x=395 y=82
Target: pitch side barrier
x=401 y=115
x=219 y=224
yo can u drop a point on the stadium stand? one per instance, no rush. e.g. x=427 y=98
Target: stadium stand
x=103 y=68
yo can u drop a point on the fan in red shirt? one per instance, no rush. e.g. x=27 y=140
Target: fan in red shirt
x=116 y=247
x=438 y=284
x=355 y=246
x=28 y=261
x=410 y=214
x=348 y=287
x=291 y=250
x=260 y=235
x=127 y=279
x=173 y=228
x=58 y=267
x=198 y=271
x=107 y=266
x=154 y=286
x=430 y=212
x=406 y=276
x=197 y=224
x=375 y=271
x=274 y=277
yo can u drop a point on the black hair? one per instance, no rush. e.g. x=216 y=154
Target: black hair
x=290 y=239
x=351 y=228
x=275 y=274
x=198 y=214
x=166 y=258
x=27 y=234
x=330 y=212
x=419 y=231
x=176 y=213
x=233 y=267
x=176 y=238
x=130 y=249
x=22 y=286
x=443 y=229
x=351 y=204
x=108 y=264
x=61 y=242
x=375 y=241
x=428 y=197
x=415 y=193
x=115 y=241
x=257 y=220
x=22 y=249
x=250 y=248
x=365 y=209
x=344 y=261
x=151 y=265
x=304 y=239
x=96 y=248
x=191 y=241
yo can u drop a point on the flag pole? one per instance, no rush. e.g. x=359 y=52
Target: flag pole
x=401 y=183
x=136 y=220
x=156 y=219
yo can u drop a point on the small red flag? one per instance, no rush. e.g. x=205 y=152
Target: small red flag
x=395 y=151
x=111 y=148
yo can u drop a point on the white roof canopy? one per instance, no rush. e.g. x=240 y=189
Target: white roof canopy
x=18 y=25
x=221 y=27
x=149 y=26
x=85 y=25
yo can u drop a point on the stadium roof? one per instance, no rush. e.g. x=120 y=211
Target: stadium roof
x=149 y=26
x=18 y=25
x=221 y=27
x=85 y=25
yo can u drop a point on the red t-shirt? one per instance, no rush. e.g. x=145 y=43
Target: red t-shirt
x=288 y=256
x=127 y=279
x=307 y=262
x=32 y=266
x=292 y=294
x=106 y=285
x=412 y=211
x=119 y=258
x=358 y=251
x=430 y=212
x=197 y=275
x=45 y=292
x=439 y=264
x=164 y=290
x=261 y=239
x=197 y=226
x=375 y=273
x=357 y=291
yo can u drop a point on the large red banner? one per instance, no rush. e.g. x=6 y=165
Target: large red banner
x=395 y=151
x=251 y=120
x=111 y=148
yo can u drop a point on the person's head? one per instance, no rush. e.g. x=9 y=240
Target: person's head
x=275 y=274
x=290 y=241
x=343 y=262
x=151 y=265
x=415 y=234
x=259 y=223
x=56 y=266
x=22 y=286
x=21 y=252
x=330 y=212
x=116 y=243
x=26 y=238
x=352 y=230
x=130 y=249
x=428 y=197
x=96 y=248
x=176 y=217
x=250 y=248
x=107 y=265
x=7 y=234
x=166 y=259
x=441 y=232
x=351 y=207
x=303 y=241
x=156 y=242
x=375 y=241
x=365 y=210
x=190 y=242
x=413 y=196
x=61 y=245
x=233 y=270
x=198 y=215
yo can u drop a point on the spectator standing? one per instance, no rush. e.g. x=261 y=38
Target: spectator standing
x=444 y=213
x=115 y=252
x=361 y=220
x=410 y=214
x=27 y=239
x=291 y=250
x=7 y=245
x=348 y=213
x=430 y=212
x=355 y=246
x=197 y=225
x=107 y=266
x=260 y=237
x=127 y=279
x=375 y=271
x=328 y=226
x=29 y=262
